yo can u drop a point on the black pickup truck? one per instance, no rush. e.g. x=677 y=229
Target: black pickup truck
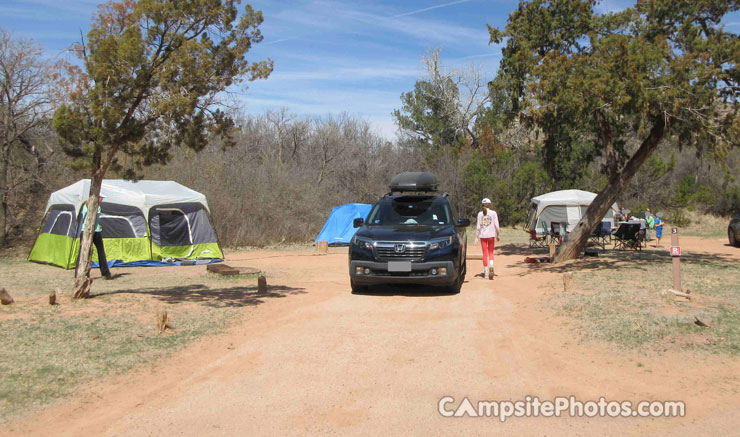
x=412 y=235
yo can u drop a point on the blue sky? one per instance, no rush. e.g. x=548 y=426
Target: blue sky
x=330 y=56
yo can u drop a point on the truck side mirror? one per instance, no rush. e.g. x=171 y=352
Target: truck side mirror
x=463 y=222
x=358 y=222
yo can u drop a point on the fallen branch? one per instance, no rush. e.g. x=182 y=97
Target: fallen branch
x=700 y=323
x=678 y=293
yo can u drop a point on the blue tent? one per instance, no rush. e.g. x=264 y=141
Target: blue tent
x=338 y=229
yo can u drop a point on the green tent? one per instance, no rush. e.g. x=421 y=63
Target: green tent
x=142 y=221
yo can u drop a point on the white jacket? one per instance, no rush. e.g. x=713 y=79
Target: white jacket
x=487 y=226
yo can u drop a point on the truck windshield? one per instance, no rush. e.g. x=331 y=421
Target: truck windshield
x=410 y=210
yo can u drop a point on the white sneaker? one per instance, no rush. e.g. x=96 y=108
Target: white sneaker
x=485 y=272
x=490 y=269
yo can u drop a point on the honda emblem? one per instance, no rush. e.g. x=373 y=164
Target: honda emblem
x=400 y=248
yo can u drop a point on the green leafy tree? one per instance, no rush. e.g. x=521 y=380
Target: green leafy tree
x=424 y=112
x=510 y=182
x=444 y=108
x=155 y=73
x=622 y=82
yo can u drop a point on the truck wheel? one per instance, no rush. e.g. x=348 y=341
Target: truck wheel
x=455 y=288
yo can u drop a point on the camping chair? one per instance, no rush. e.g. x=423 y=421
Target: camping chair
x=557 y=231
x=537 y=240
x=628 y=237
x=602 y=235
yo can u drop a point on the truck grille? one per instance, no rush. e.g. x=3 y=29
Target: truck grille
x=411 y=251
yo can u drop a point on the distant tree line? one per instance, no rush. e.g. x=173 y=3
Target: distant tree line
x=274 y=177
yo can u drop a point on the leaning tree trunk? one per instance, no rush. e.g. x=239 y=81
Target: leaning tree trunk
x=578 y=238
x=82 y=279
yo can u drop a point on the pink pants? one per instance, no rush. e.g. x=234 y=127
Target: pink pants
x=487 y=245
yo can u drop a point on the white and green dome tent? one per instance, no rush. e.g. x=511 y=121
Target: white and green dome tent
x=143 y=223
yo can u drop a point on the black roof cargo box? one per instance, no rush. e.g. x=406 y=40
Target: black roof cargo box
x=414 y=181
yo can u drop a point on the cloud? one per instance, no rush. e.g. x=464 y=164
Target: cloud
x=327 y=16
x=380 y=119
x=482 y=55
x=428 y=31
x=384 y=126
x=323 y=99
x=344 y=74
x=49 y=10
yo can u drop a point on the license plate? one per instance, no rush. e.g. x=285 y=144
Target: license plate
x=399 y=266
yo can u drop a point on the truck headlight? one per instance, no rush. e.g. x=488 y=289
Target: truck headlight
x=441 y=243
x=363 y=243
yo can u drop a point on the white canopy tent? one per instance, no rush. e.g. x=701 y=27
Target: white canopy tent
x=142 y=194
x=565 y=206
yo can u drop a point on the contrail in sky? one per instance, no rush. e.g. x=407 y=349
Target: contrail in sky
x=430 y=8
x=457 y=2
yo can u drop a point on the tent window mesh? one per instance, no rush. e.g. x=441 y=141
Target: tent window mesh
x=60 y=221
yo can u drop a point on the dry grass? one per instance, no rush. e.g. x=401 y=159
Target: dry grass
x=621 y=303
x=47 y=352
x=704 y=225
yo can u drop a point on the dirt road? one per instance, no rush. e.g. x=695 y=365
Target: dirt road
x=323 y=360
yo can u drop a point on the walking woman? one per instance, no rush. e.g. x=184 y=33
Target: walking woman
x=487 y=231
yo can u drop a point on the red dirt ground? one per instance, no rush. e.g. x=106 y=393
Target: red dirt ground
x=327 y=361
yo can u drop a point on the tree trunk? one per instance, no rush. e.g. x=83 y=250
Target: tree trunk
x=4 y=164
x=578 y=238
x=82 y=279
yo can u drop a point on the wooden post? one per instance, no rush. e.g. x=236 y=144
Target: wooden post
x=567 y=281
x=322 y=247
x=676 y=255
x=53 y=296
x=163 y=321
x=5 y=297
x=261 y=285
x=553 y=248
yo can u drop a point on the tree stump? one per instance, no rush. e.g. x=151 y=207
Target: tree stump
x=5 y=297
x=261 y=285
x=322 y=247
x=163 y=321
x=567 y=281
x=53 y=296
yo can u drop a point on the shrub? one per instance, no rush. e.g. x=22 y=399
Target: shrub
x=678 y=218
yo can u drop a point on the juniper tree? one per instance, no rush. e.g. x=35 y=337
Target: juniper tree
x=616 y=85
x=153 y=77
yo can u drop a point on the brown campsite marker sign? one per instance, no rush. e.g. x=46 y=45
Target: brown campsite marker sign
x=676 y=255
